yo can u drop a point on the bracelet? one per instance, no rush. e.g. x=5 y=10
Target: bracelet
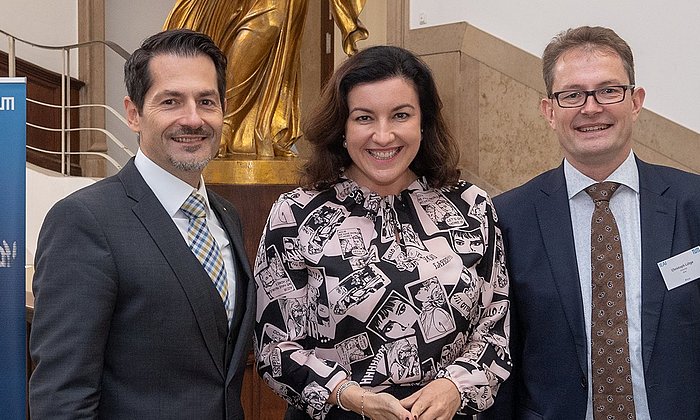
x=342 y=388
x=362 y=408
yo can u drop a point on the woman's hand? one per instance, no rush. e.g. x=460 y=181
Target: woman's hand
x=377 y=406
x=439 y=400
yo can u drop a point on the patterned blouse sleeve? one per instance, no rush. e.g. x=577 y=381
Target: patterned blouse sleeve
x=486 y=362
x=286 y=359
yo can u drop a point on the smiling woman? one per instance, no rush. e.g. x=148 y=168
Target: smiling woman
x=372 y=246
x=383 y=134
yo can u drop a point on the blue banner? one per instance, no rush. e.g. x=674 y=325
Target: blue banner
x=13 y=132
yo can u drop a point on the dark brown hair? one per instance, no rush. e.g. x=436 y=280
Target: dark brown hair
x=586 y=37
x=180 y=42
x=438 y=155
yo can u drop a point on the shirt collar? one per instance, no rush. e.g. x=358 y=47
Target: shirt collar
x=170 y=190
x=626 y=174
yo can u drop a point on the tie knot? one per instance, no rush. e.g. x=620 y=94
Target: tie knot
x=602 y=191
x=194 y=207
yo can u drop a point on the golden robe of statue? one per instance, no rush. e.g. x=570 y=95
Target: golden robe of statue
x=262 y=39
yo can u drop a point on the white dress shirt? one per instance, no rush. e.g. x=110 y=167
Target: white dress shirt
x=172 y=193
x=625 y=207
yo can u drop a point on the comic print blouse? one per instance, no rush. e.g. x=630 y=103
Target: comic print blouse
x=393 y=291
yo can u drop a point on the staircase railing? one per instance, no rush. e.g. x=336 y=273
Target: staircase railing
x=65 y=106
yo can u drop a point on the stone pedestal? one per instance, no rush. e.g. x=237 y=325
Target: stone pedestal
x=246 y=171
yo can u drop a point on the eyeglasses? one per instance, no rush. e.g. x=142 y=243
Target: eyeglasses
x=604 y=96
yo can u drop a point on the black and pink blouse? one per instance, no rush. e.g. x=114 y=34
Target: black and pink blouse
x=392 y=291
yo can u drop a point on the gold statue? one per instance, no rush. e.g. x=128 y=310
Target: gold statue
x=262 y=41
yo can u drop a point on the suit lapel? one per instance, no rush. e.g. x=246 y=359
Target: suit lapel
x=188 y=271
x=658 y=218
x=243 y=309
x=554 y=219
x=232 y=230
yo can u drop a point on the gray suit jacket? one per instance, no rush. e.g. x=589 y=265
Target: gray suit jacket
x=127 y=322
x=548 y=332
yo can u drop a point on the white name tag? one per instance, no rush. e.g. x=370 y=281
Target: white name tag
x=681 y=269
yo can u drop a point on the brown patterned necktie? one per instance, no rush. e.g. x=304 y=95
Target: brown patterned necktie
x=610 y=360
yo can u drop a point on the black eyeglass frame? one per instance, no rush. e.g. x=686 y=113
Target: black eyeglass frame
x=625 y=88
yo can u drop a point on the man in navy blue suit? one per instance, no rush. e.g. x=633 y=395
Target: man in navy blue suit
x=592 y=103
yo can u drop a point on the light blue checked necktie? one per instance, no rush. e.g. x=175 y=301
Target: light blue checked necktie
x=204 y=246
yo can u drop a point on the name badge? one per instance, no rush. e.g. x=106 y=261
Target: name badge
x=681 y=269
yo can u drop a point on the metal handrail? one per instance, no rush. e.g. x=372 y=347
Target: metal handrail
x=107 y=107
x=65 y=129
x=113 y=45
x=107 y=157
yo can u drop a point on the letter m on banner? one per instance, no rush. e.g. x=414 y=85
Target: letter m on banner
x=13 y=363
x=7 y=103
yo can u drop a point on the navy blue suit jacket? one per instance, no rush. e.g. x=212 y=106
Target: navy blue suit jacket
x=548 y=342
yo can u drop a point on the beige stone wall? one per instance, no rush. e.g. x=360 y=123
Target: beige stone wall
x=491 y=91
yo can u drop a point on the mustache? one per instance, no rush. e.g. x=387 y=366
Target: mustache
x=191 y=131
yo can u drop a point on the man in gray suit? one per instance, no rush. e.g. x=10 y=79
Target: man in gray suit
x=142 y=309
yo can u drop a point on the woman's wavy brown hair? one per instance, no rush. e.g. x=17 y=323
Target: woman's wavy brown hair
x=438 y=155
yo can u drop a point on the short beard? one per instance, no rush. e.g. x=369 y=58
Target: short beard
x=194 y=166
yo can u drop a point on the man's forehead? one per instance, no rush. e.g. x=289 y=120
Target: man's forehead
x=577 y=58
x=168 y=75
x=587 y=52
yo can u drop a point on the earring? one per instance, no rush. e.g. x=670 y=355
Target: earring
x=345 y=144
